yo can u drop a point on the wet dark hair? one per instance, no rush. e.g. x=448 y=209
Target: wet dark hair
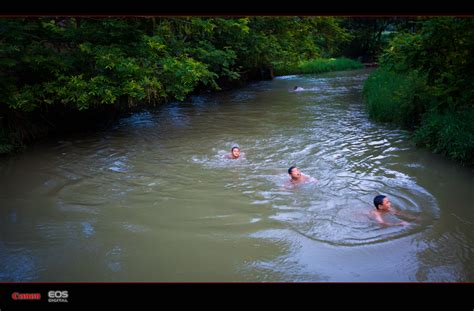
x=295 y=87
x=378 y=200
x=235 y=147
x=290 y=169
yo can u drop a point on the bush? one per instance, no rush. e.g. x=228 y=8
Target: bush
x=395 y=97
x=9 y=141
x=425 y=82
x=450 y=134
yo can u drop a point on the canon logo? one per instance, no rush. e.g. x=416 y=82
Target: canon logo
x=26 y=296
x=58 y=296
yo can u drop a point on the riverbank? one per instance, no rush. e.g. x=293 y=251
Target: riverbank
x=59 y=74
x=425 y=84
x=319 y=65
x=406 y=100
x=29 y=127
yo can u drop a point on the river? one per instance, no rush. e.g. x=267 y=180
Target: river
x=153 y=199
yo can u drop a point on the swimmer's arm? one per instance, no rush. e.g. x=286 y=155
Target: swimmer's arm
x=288 y=185
x=380 y=220
x=406 y=215
x=391 y=224
x=388 y=224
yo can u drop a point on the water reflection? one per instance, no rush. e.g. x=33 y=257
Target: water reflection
x=17 y=264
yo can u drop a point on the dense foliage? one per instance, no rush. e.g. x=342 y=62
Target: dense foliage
x=370 y=35
x=425 y=83
x=53 y=68
x=84 y=62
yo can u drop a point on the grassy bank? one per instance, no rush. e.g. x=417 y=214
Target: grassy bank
x=407 y=100
x=319 y=65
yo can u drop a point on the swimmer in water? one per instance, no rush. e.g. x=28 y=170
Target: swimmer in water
x=384 y=206
x=297 y=89
x=297 y=178
x=234 y=153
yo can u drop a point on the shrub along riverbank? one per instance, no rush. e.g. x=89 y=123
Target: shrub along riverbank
x=425 y=83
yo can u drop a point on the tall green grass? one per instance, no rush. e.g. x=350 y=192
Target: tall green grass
x=393 y=97
x=319 y=65
x=450 y=134
x=407 y=100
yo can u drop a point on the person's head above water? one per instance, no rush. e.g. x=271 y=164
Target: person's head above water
x=381 y=202
x=295 y=87
x=294 y=172
x=235 y=152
